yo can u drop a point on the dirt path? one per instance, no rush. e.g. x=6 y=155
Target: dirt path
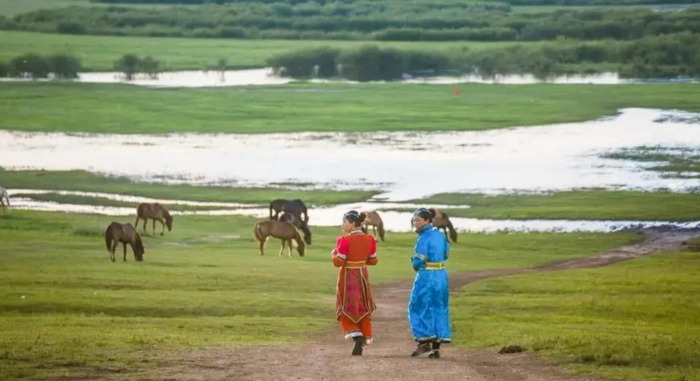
x=327 y=356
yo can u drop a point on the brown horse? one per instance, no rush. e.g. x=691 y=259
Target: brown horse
x=299 y=224
x=278 y=229
x=124 y=233
x=4 y=199
x=441 y=221
x=155 y=211
x=375 y=221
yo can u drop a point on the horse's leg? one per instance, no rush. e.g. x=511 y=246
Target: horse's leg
x=162 y=222
x=112 y=248
x=136 y=224
x=145 y=224
x=282 y=248
x=262 y=244
x=289 y=243
x=124 y=244
x=374 y=230
x=154 y=226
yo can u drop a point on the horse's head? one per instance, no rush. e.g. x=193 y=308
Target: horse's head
x=301 y=247
x=169 y=222
x=139 y=251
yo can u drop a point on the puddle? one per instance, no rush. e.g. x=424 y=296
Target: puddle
x=393 y=220
x=127 y=198
x=265 y=76
x=404 y=165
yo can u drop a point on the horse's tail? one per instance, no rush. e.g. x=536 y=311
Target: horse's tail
x=257 y=232
x=380 y=227
x=453 y=232
x=108 y=238
x=307 y=233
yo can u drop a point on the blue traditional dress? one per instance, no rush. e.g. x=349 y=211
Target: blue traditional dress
x=428 y=306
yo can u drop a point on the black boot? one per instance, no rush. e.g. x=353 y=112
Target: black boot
x=423 y=347
x=359 y=343
x=435 y=353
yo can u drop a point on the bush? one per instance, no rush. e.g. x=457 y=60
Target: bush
x=64 y=66
x=29 y=65
x=70 y=27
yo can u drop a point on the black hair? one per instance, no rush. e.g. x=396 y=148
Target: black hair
x=424 y=214
x=354 y=217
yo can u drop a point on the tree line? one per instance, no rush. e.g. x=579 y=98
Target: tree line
x=670 y=55
x=358 y=20
x=66 y=66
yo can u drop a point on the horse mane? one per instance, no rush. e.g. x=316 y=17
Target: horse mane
x=298 y=238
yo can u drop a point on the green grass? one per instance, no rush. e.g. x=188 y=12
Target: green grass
x=636 y=320
x=65 y=310
x=106 y=202
x=90 y=182
x=554 y=8
x=74 y=107
x=98 y=53
x=673 y=162
x=577 y=205
x=12 y=8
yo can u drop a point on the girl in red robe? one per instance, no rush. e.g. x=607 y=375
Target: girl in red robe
x=353 y=252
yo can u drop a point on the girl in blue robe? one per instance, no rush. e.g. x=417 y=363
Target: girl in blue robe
x=428 y=305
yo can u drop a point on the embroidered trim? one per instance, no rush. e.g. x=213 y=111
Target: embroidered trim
x=422 y=257
x=352 y=334
x=341 y=256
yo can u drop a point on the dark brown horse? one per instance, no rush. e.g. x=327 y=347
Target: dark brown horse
x=375 y=221
x=155 y=211
x=441 y=221
x=278 y=229
x=296 y=207
x=124 y=233
x=299 y=224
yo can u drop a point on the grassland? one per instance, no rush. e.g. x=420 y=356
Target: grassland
x=66 y=311
x=636 y=320
x=577 y=205
x=74 y=107
x=99 y=53
x=90 y=182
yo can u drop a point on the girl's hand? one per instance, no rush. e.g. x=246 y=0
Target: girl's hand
x=334 y=251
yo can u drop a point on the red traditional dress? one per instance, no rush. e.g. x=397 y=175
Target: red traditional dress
x=354 y=303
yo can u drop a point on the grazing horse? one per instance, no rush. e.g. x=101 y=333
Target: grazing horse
x=278 y=229
x=155 y=211
x=290 y=206
x=124 y=233
x=375 y=221
x=299 y=224
x=4 y=199
x=441 y=221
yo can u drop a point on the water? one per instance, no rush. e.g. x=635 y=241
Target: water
x=402 y=165
x=265 y=76
x=394 y=220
